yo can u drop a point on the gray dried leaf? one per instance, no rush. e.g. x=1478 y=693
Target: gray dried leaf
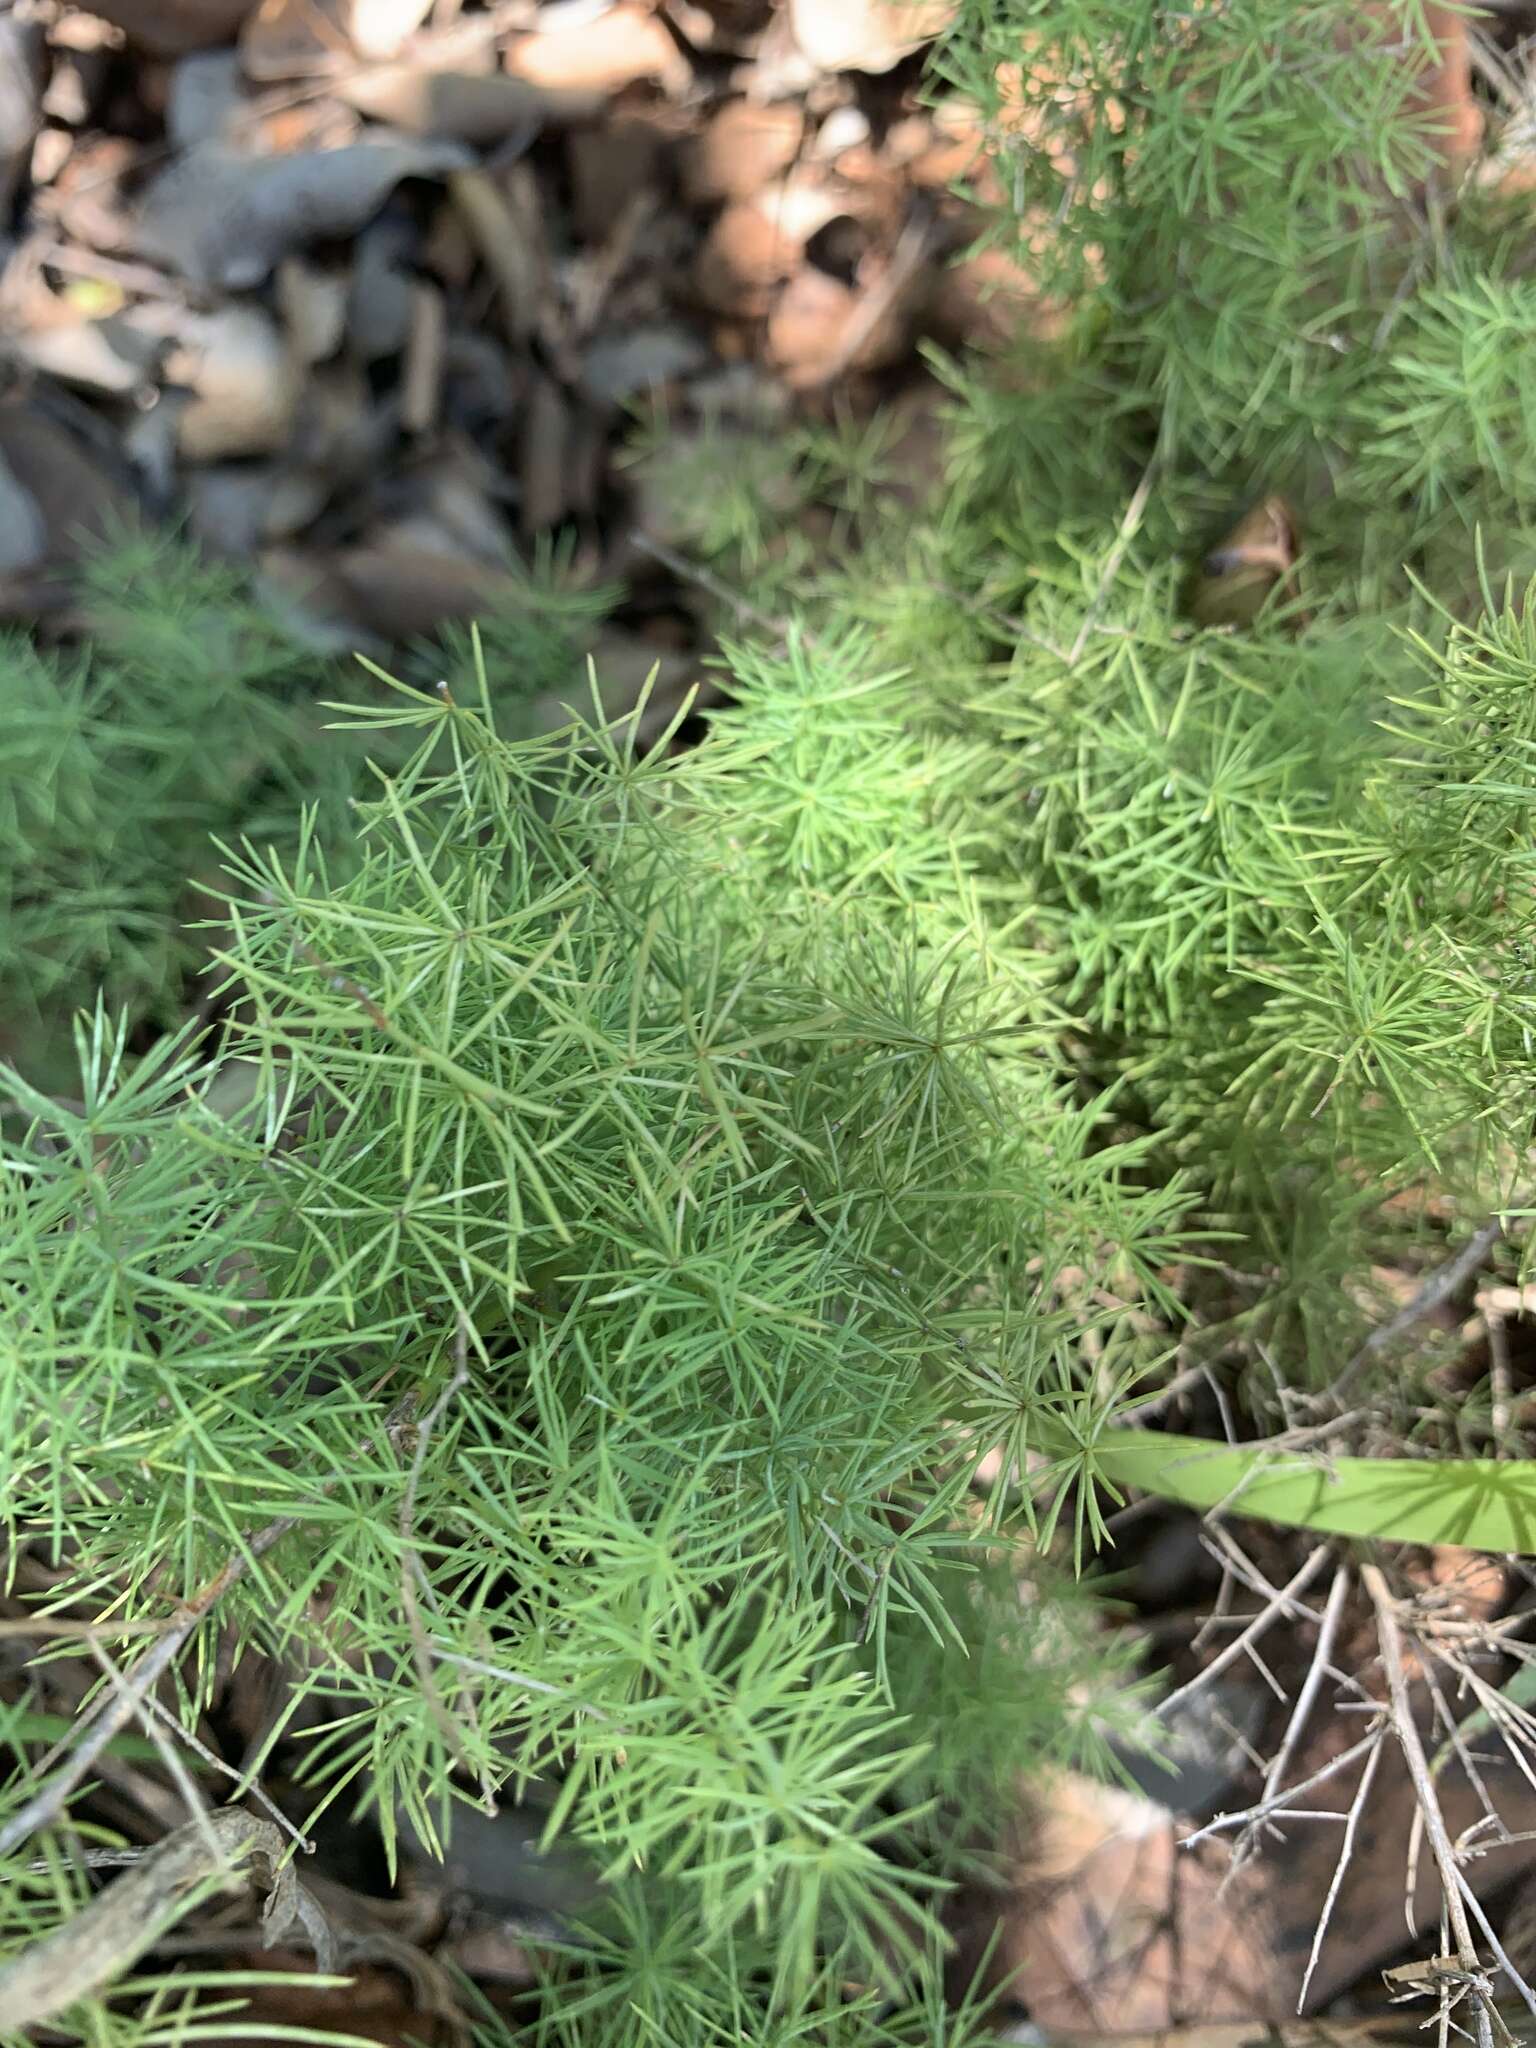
x=206 y=97
x=23 y=530
x=618 y=364
x=223 y=219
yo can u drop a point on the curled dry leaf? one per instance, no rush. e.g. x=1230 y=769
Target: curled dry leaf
x=313 y=306
x=243 y=381
x=223 y=219
x=80 y=353
x=622 y=47
x=865 y=35
x=819 y=326
x=1239 y=576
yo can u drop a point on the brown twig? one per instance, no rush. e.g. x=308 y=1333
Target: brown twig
x=694 y=572
x=1346 y=1853
x=1312 y=1685
x=1405 y=1728
x=1262 y=1809
x=1270 y=1613
x=1436 y=1288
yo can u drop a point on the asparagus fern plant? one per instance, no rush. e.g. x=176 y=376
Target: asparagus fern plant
x=564 y=1314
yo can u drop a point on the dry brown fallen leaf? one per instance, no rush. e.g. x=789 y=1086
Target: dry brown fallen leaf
x=622 y=47
x=1254 y=561
x=244 y=383
x=742 y=148
x=819 y=327
x=756 y=244
x=865 y=35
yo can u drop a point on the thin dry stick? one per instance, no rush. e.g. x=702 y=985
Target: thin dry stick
x=1135 y=511
x=1437 y=1287
x=1474 y=1907
x=411 y=1568
x=1250 y=1815
x=693 y=572
x=66 y=1629
x=47 y=1802
x=176 y=1770
x=123 y=1922
x=1406 y=1730
x=1306 y=1699
x=1346 y=1853
x=217 y=1763
x=1261 y=1621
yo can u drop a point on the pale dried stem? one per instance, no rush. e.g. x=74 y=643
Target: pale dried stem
x=1264 y=1619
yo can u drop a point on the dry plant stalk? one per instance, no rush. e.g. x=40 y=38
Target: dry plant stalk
x=123 y=1922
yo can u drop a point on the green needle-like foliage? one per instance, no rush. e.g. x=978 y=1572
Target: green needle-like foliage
x=721 y=1153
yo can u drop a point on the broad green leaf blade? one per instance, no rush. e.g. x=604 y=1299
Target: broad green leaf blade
x=1476 y=1502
